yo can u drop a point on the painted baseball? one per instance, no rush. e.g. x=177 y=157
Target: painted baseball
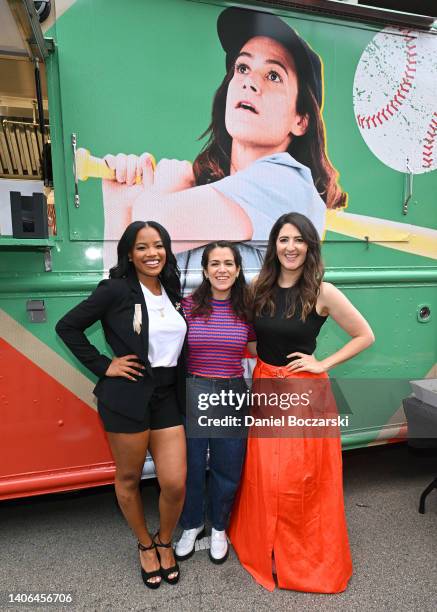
x=395 y=99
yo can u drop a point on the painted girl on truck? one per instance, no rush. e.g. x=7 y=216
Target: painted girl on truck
x=265 y=154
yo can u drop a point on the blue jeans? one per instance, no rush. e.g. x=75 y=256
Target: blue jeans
x=226 y=456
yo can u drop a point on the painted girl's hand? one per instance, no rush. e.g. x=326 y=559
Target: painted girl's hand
x=125 y=367
x=173 y=175
x=131 y=169
x=304 y=363
x=169 y=176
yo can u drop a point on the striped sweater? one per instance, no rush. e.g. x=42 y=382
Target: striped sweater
x=216 y=345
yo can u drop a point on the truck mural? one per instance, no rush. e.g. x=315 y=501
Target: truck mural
x=143 y=117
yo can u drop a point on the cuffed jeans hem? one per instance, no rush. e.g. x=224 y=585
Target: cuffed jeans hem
x=187 y=526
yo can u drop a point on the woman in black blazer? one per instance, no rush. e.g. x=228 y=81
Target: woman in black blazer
x=141 y=390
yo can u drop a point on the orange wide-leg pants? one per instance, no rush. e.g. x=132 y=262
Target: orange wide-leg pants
x=290 y=506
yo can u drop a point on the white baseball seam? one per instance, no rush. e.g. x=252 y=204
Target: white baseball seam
x=404 y=88
x=429 y=142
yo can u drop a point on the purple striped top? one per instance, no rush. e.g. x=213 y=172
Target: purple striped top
x=216 y=345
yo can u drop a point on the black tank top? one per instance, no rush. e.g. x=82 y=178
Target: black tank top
x=277 y=336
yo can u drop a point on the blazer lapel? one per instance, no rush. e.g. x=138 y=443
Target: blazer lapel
x=141 y=340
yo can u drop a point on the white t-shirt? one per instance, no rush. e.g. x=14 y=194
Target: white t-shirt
x=167 y=329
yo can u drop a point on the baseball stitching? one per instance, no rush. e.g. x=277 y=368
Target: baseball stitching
x=429 y=140
x=388 y=111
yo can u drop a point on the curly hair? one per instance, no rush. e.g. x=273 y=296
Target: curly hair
x=202 y=296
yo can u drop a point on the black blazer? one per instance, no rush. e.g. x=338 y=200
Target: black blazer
x=113 y=303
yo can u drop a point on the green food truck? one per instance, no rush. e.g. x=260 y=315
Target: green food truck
x=132 y=93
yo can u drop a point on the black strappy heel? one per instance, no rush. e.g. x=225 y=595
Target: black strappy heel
x=165 y=572
x=155 y=573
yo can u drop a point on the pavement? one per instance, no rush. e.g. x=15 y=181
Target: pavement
x=78 y=543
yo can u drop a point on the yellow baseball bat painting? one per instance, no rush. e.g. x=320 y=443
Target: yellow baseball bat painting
x=88 y=165
x=392 y=234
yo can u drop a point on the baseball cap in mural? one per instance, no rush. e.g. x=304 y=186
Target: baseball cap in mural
x=236 y=26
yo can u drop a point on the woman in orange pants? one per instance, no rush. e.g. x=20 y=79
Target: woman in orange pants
x=289 y=514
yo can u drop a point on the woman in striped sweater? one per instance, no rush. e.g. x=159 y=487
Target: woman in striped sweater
x=218 y=334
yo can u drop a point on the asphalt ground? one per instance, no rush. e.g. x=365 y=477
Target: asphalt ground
x=78 y=543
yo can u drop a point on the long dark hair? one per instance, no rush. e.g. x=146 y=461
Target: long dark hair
x=214 y=160
x=308 y=285
x=170 y=274
x=202 y=296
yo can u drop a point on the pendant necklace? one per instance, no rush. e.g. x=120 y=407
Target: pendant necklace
x=161 y=309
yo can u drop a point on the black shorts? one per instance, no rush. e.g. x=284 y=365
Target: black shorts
x=160 y=412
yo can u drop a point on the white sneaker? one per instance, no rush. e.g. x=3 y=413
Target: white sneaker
x=185 y=547
x=218 y=553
